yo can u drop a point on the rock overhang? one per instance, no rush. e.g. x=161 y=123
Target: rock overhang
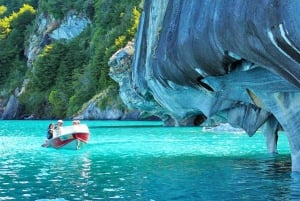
x=237 y=59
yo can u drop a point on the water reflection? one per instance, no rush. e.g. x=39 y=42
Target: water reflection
x=146 y=164
x=85 y=176
x=214 y=178
x=295 y=187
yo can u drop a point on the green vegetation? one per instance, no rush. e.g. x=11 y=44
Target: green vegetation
x=3 y=9
x=59 y=8
x=66 y=74
x=12 y=36
x=7 y=7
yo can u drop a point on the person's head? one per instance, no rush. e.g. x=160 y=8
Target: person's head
x=74 y=122
x=60 y=122
x=51 y=126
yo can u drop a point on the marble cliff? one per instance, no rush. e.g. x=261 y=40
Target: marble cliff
x=234 y=60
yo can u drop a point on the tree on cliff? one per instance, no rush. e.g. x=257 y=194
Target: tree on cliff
x=13 y=30
x=73 y=71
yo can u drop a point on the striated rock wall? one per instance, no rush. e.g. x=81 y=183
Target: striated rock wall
x=121 y=71
x=234 y=60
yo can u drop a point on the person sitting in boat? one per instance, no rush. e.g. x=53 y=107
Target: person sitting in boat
x=59 y=126
x=75 y=122
x=60 y=123
x=51 y=128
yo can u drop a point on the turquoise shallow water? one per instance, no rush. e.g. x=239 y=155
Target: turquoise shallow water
x=143 y=163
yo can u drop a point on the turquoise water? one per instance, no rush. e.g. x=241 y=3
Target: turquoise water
x=143 y=163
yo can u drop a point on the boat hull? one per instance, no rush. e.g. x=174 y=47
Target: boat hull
x=70 y=141
x=69 y=138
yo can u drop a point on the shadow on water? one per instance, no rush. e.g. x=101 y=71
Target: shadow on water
x=295 y=186
x=125 y=126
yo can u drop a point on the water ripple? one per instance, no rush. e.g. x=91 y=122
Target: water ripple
x=143 y=164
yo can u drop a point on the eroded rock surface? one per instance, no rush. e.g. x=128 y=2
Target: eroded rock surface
x=239 y=60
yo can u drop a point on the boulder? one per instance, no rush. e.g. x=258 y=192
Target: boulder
x=11 y=108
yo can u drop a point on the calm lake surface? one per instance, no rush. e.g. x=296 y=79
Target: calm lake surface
x=143 y=163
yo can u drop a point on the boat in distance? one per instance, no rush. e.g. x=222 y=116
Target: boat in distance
x=69 y=137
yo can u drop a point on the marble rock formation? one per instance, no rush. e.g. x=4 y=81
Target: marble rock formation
x=236 y=59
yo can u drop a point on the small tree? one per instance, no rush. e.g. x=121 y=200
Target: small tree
x=58 y=102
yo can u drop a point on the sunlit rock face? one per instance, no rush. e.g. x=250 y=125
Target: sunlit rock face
x=72 y=26
x=238 y=60
x=50 y=29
